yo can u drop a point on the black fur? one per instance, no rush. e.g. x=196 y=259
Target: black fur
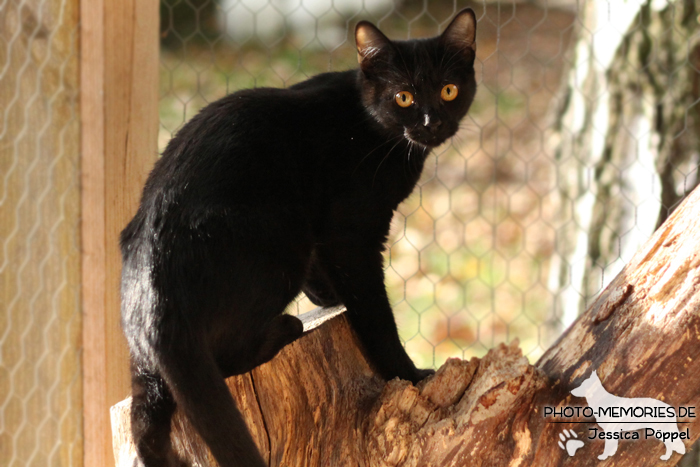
x=265 y=193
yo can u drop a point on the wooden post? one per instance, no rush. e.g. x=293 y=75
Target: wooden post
x=119 y=116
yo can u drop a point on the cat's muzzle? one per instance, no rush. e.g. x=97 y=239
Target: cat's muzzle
x=428 y=136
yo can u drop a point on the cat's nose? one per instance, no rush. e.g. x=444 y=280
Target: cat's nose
x=431 y=122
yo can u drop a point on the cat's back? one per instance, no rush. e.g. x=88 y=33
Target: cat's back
x=260 y=133
x=254 y=147
x=258 y=117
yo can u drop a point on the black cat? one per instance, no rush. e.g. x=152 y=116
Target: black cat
x=268 y=192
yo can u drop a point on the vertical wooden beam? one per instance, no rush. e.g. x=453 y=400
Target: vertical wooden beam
x=119 y=113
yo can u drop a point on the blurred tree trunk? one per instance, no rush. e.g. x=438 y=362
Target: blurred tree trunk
x=626 y=140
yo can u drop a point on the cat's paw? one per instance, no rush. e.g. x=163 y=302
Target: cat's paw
x=421 y=374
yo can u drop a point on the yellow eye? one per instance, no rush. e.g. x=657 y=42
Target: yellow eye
x=449 y=92
x=404 y=98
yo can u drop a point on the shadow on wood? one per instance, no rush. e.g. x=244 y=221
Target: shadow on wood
x=318 y=403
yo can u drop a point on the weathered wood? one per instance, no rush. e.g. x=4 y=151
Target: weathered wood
x=318 y=403
x=119 y=118
x=40 y=390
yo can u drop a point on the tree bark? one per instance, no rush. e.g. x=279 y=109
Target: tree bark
x=625 y=141
x=319 y=403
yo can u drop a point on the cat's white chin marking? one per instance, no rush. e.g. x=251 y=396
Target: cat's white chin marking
x=420 y=145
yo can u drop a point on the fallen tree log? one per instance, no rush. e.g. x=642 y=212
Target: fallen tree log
x=318 y=403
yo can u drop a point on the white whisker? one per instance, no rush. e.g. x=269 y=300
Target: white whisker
x=411 y=140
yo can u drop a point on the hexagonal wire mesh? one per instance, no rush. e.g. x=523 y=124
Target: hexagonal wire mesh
x=40 y=320
x=476 y=254
x=482 y=251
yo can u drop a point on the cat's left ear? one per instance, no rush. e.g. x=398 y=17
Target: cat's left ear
x=369 y=41
x=461 y=33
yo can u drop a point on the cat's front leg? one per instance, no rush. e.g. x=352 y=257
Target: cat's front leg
x=357 y=276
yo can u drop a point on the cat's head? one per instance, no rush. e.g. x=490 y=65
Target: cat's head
x=419 y=88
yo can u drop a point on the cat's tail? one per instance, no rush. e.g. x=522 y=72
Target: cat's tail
x=199 y=390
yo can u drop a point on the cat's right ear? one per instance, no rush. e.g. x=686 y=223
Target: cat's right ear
x=461 y=33
x=370 y=41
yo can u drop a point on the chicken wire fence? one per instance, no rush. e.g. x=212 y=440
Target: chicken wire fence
x=540 y=199
x=40 y=320
x=582 y=137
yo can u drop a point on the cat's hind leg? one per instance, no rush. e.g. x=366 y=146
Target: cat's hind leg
x=318 y=288
x=280 y=331
x=152 y=407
